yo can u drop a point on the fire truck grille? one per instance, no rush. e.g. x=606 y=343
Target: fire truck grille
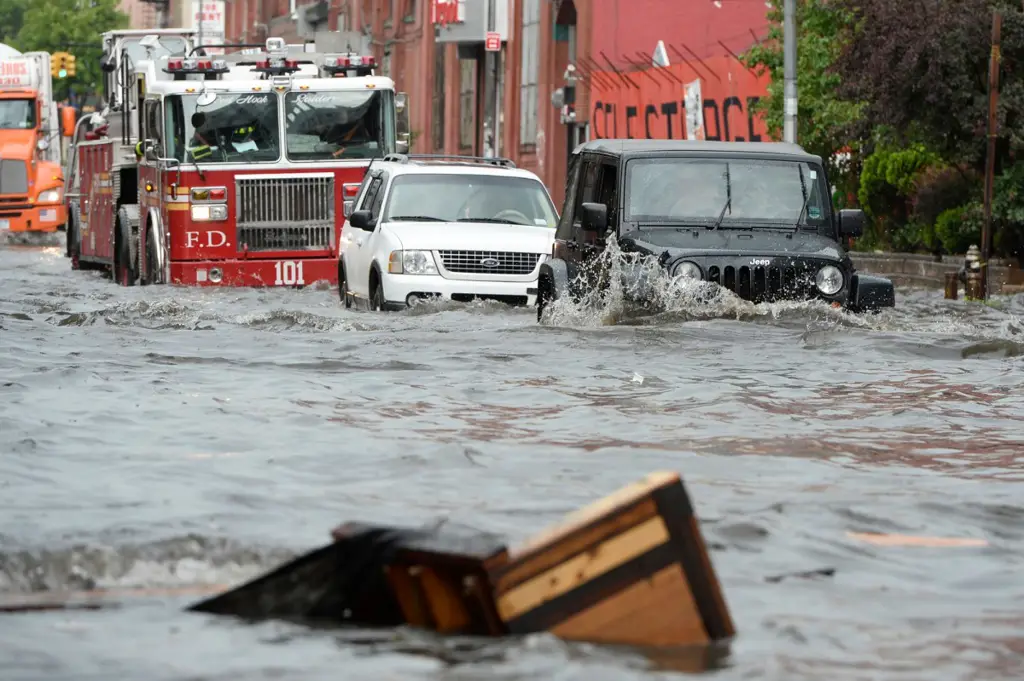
x=293 y=213
x=13 y=177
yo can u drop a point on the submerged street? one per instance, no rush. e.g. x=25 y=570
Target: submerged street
x=166 y=436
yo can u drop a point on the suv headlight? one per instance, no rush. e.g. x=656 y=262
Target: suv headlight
x=49 y=196
x=687 y=270
x=411 y=262
x=829 y=280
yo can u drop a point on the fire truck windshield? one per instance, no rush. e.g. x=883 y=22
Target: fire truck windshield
x=235 y=128
x=346 y=124
x=17 y=114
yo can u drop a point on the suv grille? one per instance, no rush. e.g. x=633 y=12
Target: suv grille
x=294 y=213
x=766 y=283
x=489 y=262
x=13 y=177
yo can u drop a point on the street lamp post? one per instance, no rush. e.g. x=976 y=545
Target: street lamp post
x=789 y=53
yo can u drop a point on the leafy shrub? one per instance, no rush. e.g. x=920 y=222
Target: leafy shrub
x=958 y=228
x=938 y=189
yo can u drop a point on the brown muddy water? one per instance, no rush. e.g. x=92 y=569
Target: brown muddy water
x=166 y=437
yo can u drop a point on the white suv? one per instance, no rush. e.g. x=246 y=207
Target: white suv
x=451 y=227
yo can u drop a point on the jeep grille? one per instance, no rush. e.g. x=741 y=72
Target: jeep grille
x=766 y=283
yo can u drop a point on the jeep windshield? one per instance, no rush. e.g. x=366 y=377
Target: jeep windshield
x=470 y=198
x=746 y=193
x=233 y=128
x=325 y=126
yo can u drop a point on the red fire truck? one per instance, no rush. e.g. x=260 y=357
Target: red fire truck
x=235 y=170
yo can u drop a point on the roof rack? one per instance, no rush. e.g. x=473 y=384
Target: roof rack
x=446 y=158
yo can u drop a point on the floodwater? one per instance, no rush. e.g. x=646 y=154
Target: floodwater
x=163 y=437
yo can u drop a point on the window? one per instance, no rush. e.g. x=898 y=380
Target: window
x=154 y=126
x=741 y=190
x=232 y=128
x=471 y=198
x=467 y=104
x=529 y=73
x=323 y=126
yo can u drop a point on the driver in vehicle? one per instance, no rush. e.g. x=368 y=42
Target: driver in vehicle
x=356 y=133
x=199 y=147
x=490 y=202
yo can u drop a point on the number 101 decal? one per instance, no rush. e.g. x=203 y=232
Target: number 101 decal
x=288 y=273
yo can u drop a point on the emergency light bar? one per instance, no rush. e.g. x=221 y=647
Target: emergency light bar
x=363 y=65
x=181 y=67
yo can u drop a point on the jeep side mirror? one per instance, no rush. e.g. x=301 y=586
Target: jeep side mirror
x=594 y=219
x=851 y=222
x=362 y=219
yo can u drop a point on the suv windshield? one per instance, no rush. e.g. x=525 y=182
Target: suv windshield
x=338 y=125
x=17 y=114
x=469 y=198
x=674 y=190
x=234 y=128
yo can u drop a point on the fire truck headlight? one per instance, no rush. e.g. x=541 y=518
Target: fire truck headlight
x=49 y=196
x=209 y=213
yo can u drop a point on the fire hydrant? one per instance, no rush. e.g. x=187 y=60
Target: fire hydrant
x=972 y=274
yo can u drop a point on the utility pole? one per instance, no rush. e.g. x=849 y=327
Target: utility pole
x=789 y=92
x=990 y=161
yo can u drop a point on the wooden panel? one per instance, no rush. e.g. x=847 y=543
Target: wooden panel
x=659 y=611
x=529 y=565
x=582 y=568
x=410 y=597
x=444 y=595
x=588 y=514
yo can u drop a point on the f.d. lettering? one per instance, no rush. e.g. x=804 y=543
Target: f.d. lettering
x=214 y=239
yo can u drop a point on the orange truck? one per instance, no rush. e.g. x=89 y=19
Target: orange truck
x=32 y=129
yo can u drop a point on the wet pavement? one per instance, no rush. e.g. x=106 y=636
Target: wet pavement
x=165 y=436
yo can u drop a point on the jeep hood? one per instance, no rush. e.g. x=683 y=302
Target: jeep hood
x=730 y=242
x=472 y=236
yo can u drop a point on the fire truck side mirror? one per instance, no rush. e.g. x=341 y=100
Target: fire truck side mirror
x=68 y=118
x=107 y=62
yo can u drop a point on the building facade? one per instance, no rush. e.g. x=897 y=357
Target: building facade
x=514 y=102
x=141 y=14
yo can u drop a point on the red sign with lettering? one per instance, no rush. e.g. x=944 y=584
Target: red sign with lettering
x=492 y=43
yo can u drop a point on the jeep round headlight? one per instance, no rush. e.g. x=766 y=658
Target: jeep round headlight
x=687 y=270
x=829 y=280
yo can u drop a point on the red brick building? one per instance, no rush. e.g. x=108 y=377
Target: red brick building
x=455 y=86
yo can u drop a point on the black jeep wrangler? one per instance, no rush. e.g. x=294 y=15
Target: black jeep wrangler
x=753 y=217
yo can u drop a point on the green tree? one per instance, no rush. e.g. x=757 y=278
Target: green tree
x=11 y=13
x=71 y=26
x=824 y=121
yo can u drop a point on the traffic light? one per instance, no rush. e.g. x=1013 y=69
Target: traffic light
x=58 y=64
x=69 y=64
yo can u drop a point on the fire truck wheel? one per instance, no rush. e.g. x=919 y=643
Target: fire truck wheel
x=343 y=287
x=152 y=262
x=125 y=271
x=74 y=247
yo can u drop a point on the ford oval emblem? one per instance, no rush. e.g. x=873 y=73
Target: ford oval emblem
x=490 y=262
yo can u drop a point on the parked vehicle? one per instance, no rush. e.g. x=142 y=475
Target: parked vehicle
x=450 y=227
x=755 y=218
x=227 y=171
x=32 y=127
